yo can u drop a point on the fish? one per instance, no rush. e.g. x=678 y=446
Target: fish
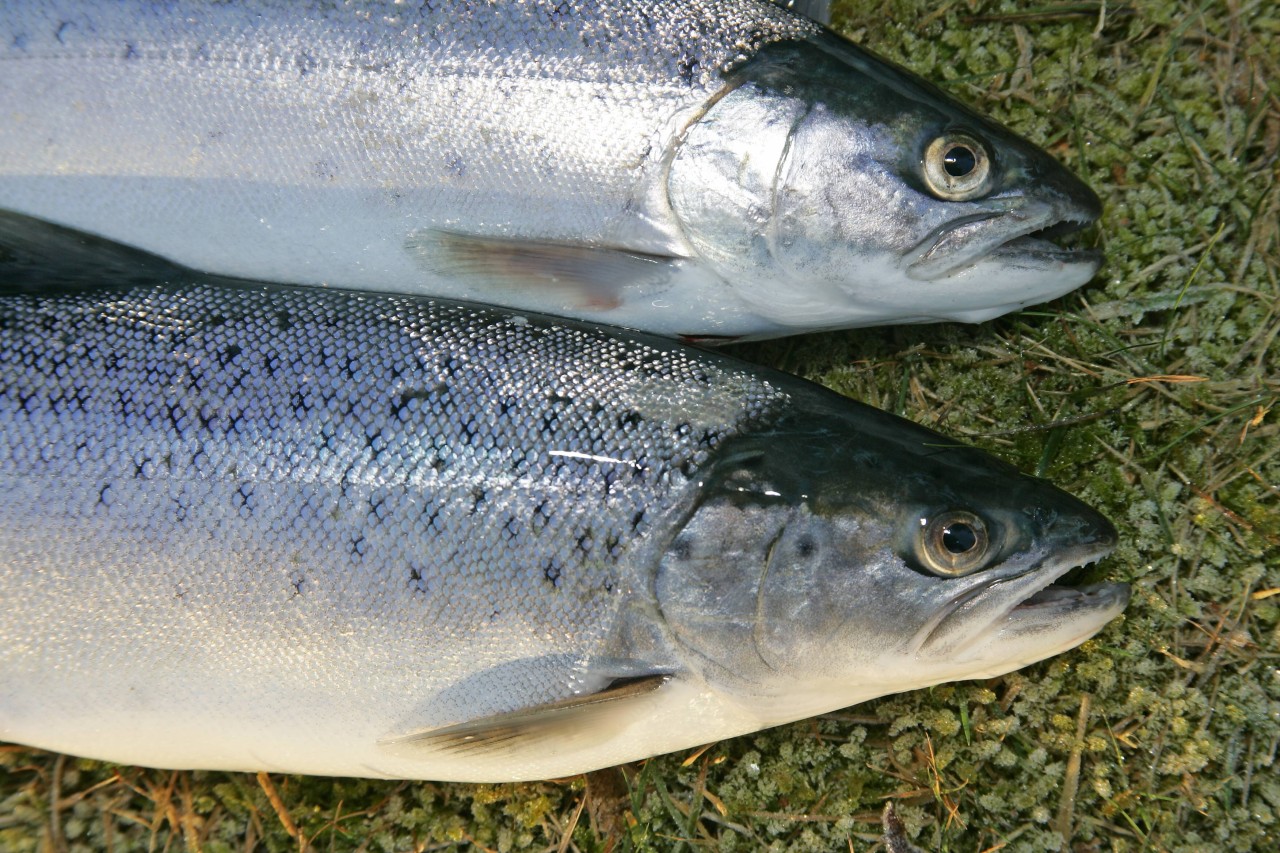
x=714 y=170
x=254 y=526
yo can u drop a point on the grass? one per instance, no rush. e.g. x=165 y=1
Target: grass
x=1152 y=393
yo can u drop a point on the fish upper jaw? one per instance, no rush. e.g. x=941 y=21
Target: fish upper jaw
x=1000 y=234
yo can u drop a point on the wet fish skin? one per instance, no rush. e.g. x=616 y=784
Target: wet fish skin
x=260 y=527
x=679 y=166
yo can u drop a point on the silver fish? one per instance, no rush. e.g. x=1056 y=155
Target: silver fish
x=258 y=527
x=705 y=168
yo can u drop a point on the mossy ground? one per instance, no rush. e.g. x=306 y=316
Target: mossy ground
x=1152 y=394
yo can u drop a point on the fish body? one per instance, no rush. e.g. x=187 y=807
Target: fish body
x=258 y=527
x=706 y=168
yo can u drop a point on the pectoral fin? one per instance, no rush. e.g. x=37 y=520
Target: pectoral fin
x=570 y=275
x=578 y=721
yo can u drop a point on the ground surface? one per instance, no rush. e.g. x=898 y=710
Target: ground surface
x=1150 y=394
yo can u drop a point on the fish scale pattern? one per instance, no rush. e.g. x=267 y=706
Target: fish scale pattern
x=336 y=494
x=445 y=114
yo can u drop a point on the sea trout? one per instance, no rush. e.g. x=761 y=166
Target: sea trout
x=713 y=169
x=260 y=527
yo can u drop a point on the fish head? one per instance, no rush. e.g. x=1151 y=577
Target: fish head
x=837 y=189
x=806 y=580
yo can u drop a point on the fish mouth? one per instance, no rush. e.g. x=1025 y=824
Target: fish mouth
x=1015 y=235
x=1009 y=621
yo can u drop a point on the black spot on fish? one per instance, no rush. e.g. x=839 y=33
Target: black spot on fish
x=469 y=431
x=64 y=28
x=538 y=520
x=552 y=572
x=228 y=354
x=560 y=13
x=284 y=321
x=478 y=497
x=455 y=165
x=305 y=63
x=416 y=581
x=610 y=476
x=129 y=52
x=687 y=68
x=296 y=583
x=401 y=405
x=358 y=547
x=629 y=419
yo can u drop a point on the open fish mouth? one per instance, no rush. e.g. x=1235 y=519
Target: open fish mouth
x=1015 y=234
x=1027 y=616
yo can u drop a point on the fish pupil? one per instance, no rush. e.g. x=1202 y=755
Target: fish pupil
x=959 y=538
x=959 y=161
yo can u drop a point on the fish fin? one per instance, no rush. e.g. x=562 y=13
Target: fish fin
x=814 y=10
x=580 y=719
x=579 y=276
x=36 y=254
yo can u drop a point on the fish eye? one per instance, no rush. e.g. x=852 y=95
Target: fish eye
x=957 y=167
x=952 y=543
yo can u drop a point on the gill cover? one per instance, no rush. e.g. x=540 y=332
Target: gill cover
x=828 y=185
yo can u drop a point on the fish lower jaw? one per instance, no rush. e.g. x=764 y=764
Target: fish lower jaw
x=1051 y=621
x=998 y=285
